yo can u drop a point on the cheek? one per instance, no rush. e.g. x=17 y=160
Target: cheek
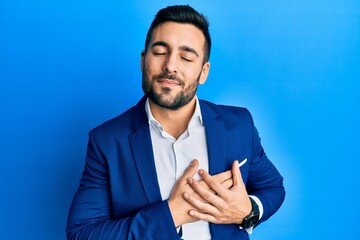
x=192 y=73
x=153 y=63
x=148 y=68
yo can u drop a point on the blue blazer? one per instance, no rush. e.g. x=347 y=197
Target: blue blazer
x=119 y=195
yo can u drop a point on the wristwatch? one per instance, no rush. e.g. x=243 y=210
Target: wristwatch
x=253 y=218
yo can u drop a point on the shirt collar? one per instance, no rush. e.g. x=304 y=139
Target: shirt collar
x=195 y=119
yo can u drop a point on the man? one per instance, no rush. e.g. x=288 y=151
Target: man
x=168 y=167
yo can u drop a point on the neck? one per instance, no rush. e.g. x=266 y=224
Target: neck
x=175 y=122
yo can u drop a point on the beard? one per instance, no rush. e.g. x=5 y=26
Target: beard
x=164 y=99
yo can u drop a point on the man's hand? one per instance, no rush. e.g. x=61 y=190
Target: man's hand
x=226 y=206
x=180 y=208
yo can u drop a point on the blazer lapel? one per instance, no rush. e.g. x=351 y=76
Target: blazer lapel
x=141 y=146
x=215 y=138
x=216 y=145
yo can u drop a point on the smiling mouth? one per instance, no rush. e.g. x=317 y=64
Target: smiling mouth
x=168 y=82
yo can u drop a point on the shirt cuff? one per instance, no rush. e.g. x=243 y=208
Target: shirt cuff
x=179 y=231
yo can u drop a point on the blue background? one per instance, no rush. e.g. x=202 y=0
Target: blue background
x=68 y=65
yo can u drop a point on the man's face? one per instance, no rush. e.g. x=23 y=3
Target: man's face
x=173 y=65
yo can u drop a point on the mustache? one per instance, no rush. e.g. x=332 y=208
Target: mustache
x=168 y=76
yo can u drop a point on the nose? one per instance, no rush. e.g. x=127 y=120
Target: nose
x=170 y=64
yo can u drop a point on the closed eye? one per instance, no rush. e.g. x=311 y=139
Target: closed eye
x=186 y=59
x=159 y=53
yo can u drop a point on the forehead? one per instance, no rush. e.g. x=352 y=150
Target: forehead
x=179 y=34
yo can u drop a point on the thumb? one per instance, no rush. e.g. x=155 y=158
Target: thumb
x=237 y=178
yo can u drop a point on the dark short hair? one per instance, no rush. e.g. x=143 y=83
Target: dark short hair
x=182 y=14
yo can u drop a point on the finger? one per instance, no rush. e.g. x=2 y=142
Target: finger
x=212 y=183
x=204 y=185
x=205 y=193
x=228 y=184
x=191 y=169
x=223 y=176
x=202 y=216
x=201 y=206
x=237 y=178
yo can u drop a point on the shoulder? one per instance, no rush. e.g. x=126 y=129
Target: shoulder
x=125 y=123
x=225 y=112
x=114 y=127
x=236 y=121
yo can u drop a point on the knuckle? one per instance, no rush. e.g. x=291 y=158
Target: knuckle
x=219 y=219
x=227 y=199
x=206 y=195
x=212 y=184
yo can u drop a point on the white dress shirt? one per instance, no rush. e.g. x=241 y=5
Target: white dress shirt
x=172 y=156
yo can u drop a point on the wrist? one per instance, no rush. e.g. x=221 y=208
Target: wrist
x=177 y=217
x=252 y=219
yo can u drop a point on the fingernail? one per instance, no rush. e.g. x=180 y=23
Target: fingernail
x=186 y=196
x=201 y=172
x=190 y=180
x=193 y=163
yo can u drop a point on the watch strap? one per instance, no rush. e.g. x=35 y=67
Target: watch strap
x=252 y=219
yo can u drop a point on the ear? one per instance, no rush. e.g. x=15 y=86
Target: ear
x=204 y=73
x=142 y=61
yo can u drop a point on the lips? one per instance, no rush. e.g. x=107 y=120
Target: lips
x=168 y=82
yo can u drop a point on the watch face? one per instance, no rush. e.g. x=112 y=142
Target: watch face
x=251 y=220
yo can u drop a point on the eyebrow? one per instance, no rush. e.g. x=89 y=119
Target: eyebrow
x=160 y=43
x=183 y=48
x=189 y=49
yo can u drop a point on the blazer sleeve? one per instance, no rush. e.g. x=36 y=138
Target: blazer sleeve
x=90 y=213
x=264 y=180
